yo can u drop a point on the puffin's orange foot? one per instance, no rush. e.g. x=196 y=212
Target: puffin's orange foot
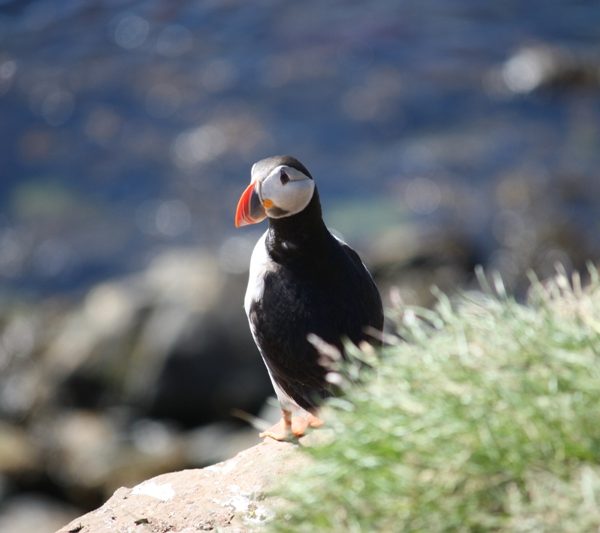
x=314 y=421
x=292 y=426
x=279 y=431
x=301 y=423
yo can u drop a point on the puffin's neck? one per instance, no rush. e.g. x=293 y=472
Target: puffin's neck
x=296 y=235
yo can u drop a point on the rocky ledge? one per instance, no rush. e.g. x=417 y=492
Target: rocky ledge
x=231 y=495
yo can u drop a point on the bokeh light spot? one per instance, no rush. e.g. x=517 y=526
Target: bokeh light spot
x=169 y=218
x=57 y=107
x=173 y=218
x=8 y=69
x=422 y=196
x=199 y=145
x=218 y=75
x=526 y=70
x=131 y=31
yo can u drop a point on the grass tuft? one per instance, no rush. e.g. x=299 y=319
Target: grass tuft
x=486 y=419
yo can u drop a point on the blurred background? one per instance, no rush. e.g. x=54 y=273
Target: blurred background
x=441 y=134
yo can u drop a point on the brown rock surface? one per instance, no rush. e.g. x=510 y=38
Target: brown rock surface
x=230 y=495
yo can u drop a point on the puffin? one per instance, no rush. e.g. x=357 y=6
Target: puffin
x=303 y=281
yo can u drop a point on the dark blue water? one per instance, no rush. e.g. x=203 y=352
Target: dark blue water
x=127 y=126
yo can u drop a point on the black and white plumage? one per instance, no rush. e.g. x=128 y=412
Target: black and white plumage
x=302 y=280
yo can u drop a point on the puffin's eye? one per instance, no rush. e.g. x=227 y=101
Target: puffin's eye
x=284 y=178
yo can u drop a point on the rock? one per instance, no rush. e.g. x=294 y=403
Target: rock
x=171 y=341
x=231 y=495
x=89 y=454
x=138 y=376
x=409 y=263
x=17 y=453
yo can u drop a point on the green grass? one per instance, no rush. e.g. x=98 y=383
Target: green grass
x=486 y=419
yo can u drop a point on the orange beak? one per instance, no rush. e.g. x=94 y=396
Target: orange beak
x=249 y=208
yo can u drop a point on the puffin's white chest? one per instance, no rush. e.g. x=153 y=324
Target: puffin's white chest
x=260 y=264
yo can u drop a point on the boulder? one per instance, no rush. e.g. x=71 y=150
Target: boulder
x=228 y=496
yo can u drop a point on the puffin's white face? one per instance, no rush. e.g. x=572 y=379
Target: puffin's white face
x=283 y=192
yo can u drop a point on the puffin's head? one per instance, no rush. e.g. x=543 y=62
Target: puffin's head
x=280 y=186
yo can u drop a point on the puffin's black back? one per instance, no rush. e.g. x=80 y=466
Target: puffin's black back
x=316 y=284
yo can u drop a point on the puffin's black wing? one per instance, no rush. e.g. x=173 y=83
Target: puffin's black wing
x=281 y=321
x=333 y=297
x=368 y=294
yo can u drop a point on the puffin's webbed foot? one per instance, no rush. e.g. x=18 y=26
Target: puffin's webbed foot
x=290 y=427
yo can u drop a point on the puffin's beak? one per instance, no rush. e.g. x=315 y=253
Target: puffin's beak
x=249 y=209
